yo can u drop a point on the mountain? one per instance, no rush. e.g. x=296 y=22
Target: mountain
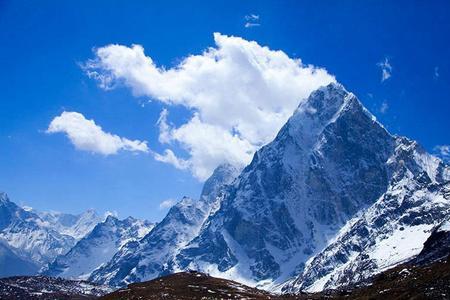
x=76 y=226
x=402 y=282
x=392 y=230
x=327 y=164
x=98 y=247
x=333 y=200
x=284 y=207
x=28 y=235
x=436 y=247
x=12 y=264
x=36 y=238
x=151 y=256
x=424 y=277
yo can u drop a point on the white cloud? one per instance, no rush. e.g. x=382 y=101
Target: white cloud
x=384 y=107
x=386 y=69
x=86 y=135
x=239 y=93
x=443 y=151
x=168 y=203
x=252 y=20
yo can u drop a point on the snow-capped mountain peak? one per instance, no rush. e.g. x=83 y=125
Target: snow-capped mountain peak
x=154 y=255
x=36 y=238
x=76 y=226
x=98 y=247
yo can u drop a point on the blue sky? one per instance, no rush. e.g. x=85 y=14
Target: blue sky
x=45 y=44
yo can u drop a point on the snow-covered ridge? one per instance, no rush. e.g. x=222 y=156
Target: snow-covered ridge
x=36 y=237
x=76 y=226
x=153 y=255
x=98 y=247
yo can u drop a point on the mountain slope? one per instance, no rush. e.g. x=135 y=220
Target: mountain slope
x=47 y=288
x=188 y=285
x=38 y=237
x=76 y=226
x=11 y=264
x=392 y=230
x=151 y=257
x=25 y=232
x=427 y=276
x=98 y=247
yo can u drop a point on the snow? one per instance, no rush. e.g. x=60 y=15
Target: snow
x=445 y=226
x=400 y=246
x=98 y=247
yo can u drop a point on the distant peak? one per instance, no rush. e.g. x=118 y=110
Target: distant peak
x=111 y=219
x=90 y=211
x=130 y=219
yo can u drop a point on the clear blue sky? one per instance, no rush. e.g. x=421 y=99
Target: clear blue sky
x=42 y=44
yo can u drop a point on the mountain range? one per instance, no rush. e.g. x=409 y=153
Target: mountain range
x=37 y=238
x=333 y=200
x=60 y=244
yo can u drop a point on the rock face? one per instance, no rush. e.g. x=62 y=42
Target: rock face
x=392 y=230
x=98 y=247
x=437 y=246
x=153 y=255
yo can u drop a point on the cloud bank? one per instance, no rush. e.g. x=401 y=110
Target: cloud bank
x=239 y=93
x=88 y=136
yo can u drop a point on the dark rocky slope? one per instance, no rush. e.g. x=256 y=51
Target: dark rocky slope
x=48 y=288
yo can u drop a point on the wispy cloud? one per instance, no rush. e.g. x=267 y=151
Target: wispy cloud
x=168 y=203
x=386 y=69
x=436 y=72
x=251 y=20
